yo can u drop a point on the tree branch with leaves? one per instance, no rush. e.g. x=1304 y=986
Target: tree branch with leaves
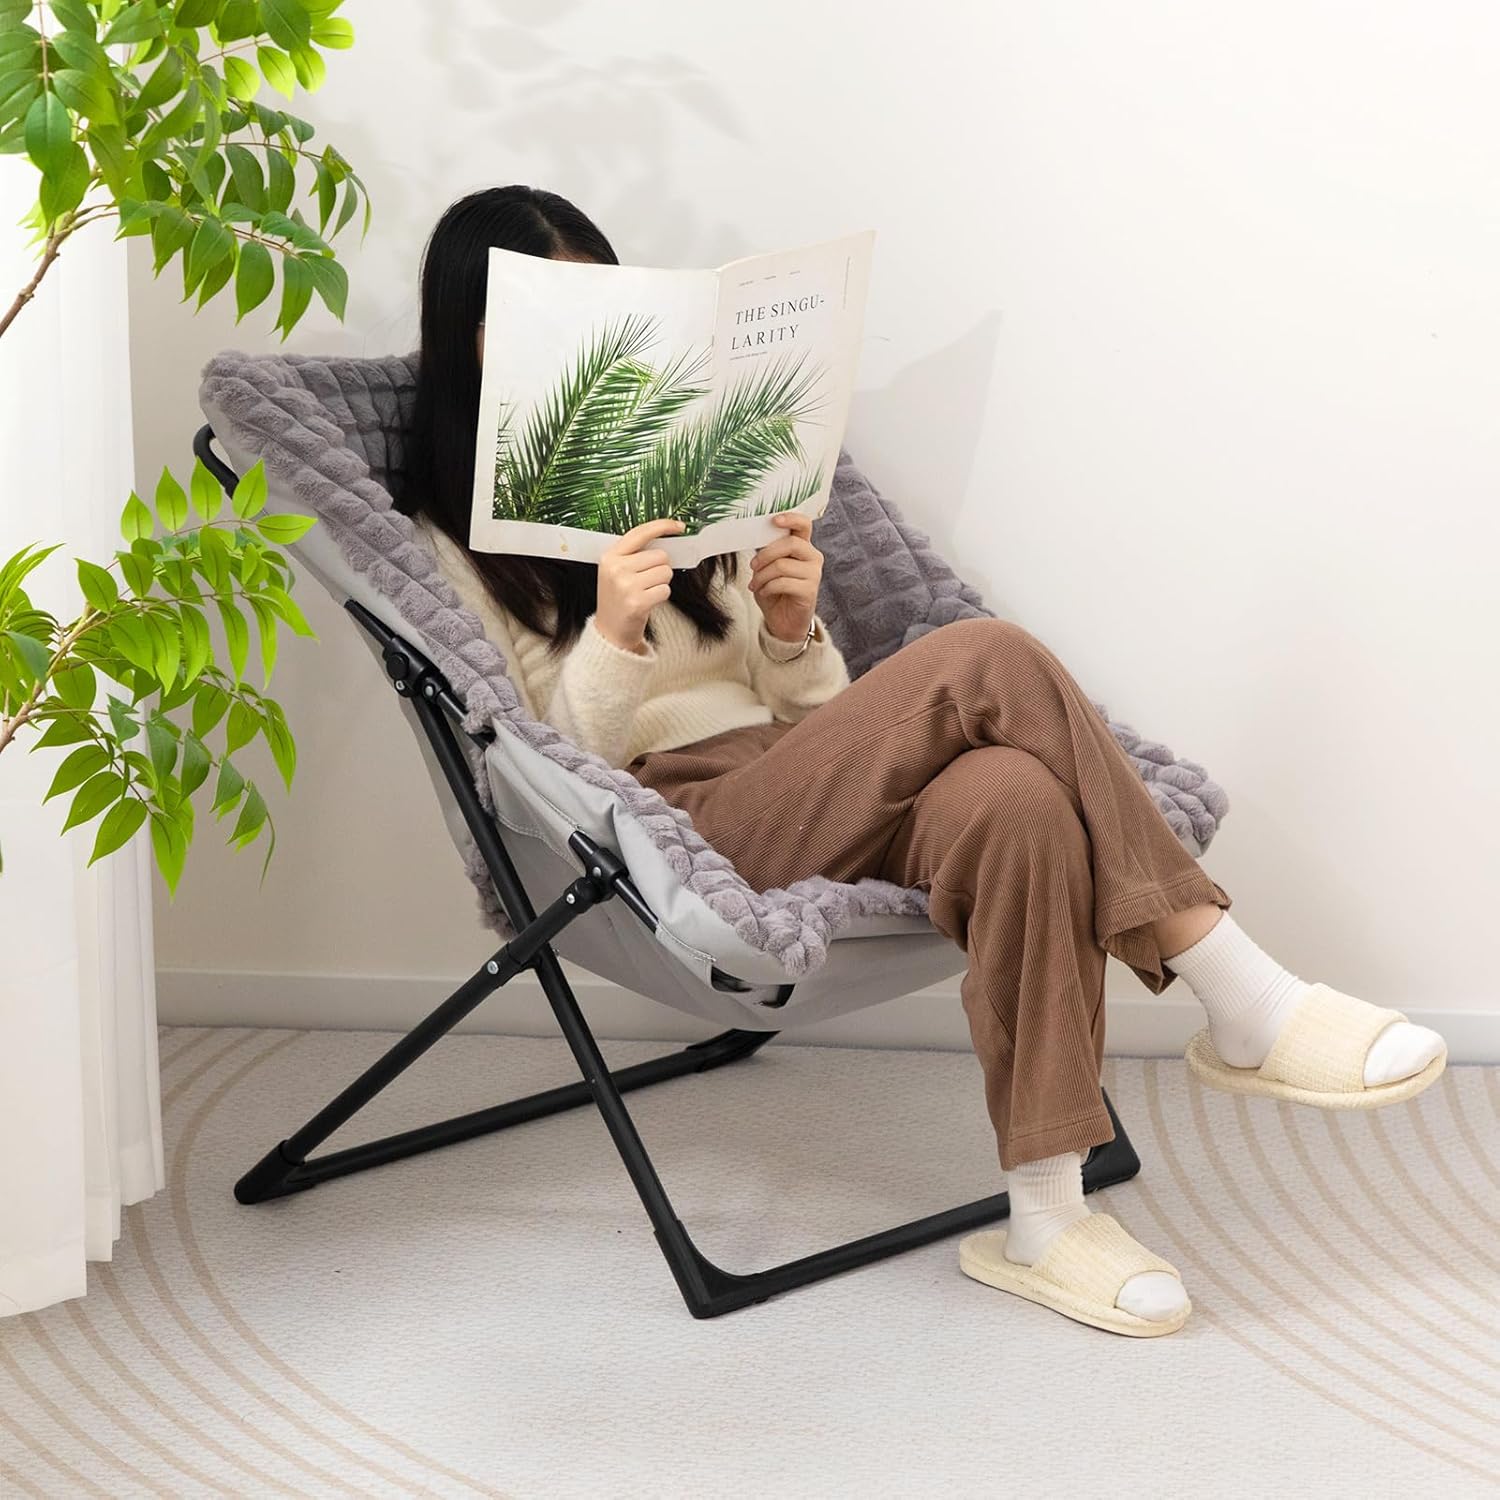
x=145 y=112
x=144 y=629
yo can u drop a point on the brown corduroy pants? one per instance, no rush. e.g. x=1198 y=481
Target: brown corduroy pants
x=971 y=765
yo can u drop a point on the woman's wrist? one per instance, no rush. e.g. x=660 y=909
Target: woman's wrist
x=778 y=648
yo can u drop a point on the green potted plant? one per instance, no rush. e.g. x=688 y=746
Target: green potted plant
x=149 y=114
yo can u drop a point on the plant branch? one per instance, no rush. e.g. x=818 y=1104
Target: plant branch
x=8 y=727
x=27 y=292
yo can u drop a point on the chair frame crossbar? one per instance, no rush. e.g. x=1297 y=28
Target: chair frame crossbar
x=707 y=1289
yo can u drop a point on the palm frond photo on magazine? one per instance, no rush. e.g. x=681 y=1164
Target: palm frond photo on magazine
x=614 y=442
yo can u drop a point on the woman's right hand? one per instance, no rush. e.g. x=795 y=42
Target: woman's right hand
x=633 y=579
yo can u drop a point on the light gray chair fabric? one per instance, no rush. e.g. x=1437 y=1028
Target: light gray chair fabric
x=329 y=432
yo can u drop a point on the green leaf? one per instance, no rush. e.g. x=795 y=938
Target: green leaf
x=333 y=32
x=207 y=494
x=237 y=635
x=157 y=181
x=255 y=278
x=135 y=519
x=238 y=19
x=170 y=231
x=331 y=282
x=49 y=133
x=276 y=68
x=169 y=845
x=211 y=244
x=75 y=15
x=17 y=567
x=85 y=761
x=285 y=606
x=162 y=744
x=310 y=68
x=249 y=497
x=251 y=820
x=296 y=293
x=165 y=83
x=63 y=731
x=249 y=186
x=86 y=94
x=291 y=227
x=93 y=797
x=121 y=824
x=281 y=182
x=195 y=12
x=279 y=738
x=266 y=623
x=196 y=762
x=98 y=586
x=129 y=636
x=166 y=648
x=62 y=190
x=15 y=36
x=76 y=685
x=288 y=23
x=171 y=502
x=347 y=206
x=213 y=558
x=175 y=123
x=243 y=726
x=122 y=720
x=285 y=529
x=140 y=764
x=81 y=52
x=252 y=568
x=176 y=575
x=114 y=156
x=327 y=189
x=217 y=277
x=32 y=653
x=229 y=787
x=137 y=573
x=242 y=81
x=197 y=647
x=210 y=703
x=136 y=23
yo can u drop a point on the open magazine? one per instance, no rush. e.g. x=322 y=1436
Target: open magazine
x=613 y=395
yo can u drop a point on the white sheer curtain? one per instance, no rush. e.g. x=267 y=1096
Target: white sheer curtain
x=80 y=1107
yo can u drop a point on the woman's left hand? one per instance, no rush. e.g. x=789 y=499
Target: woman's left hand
x=784 y=577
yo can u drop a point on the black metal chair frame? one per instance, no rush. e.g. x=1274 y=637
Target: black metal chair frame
x=708 y=1290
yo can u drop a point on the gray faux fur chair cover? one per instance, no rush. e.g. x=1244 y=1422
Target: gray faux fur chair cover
x=329 y=431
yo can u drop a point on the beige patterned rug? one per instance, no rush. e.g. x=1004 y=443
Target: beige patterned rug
x=495 y=1320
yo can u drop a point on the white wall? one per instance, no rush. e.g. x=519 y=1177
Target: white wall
x=1182 y=342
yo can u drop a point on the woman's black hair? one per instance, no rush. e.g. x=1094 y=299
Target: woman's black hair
x=548 y=596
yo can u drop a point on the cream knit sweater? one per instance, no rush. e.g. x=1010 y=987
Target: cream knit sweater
x=682 y=688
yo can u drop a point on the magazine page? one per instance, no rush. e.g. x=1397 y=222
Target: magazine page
x=613 y=395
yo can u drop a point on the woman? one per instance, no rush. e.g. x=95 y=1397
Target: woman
x=969 y=764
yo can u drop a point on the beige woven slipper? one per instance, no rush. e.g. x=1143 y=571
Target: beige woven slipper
x=1080 y=1274
x=1318 y=1058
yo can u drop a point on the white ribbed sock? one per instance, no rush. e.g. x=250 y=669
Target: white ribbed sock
x=1045 y=1197
x=1249 y=996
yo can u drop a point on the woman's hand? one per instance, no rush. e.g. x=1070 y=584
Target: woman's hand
x=632 y=582
x=784 y=577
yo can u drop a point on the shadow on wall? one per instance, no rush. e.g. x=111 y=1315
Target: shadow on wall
x=604 y=134
x=933 y=413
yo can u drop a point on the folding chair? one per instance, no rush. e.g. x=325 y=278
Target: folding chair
x=629 y=891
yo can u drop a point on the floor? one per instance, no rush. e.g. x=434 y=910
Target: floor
x=495 y=1319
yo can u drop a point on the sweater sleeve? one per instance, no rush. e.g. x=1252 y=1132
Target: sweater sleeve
x=598 y=693
x=792 y=682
